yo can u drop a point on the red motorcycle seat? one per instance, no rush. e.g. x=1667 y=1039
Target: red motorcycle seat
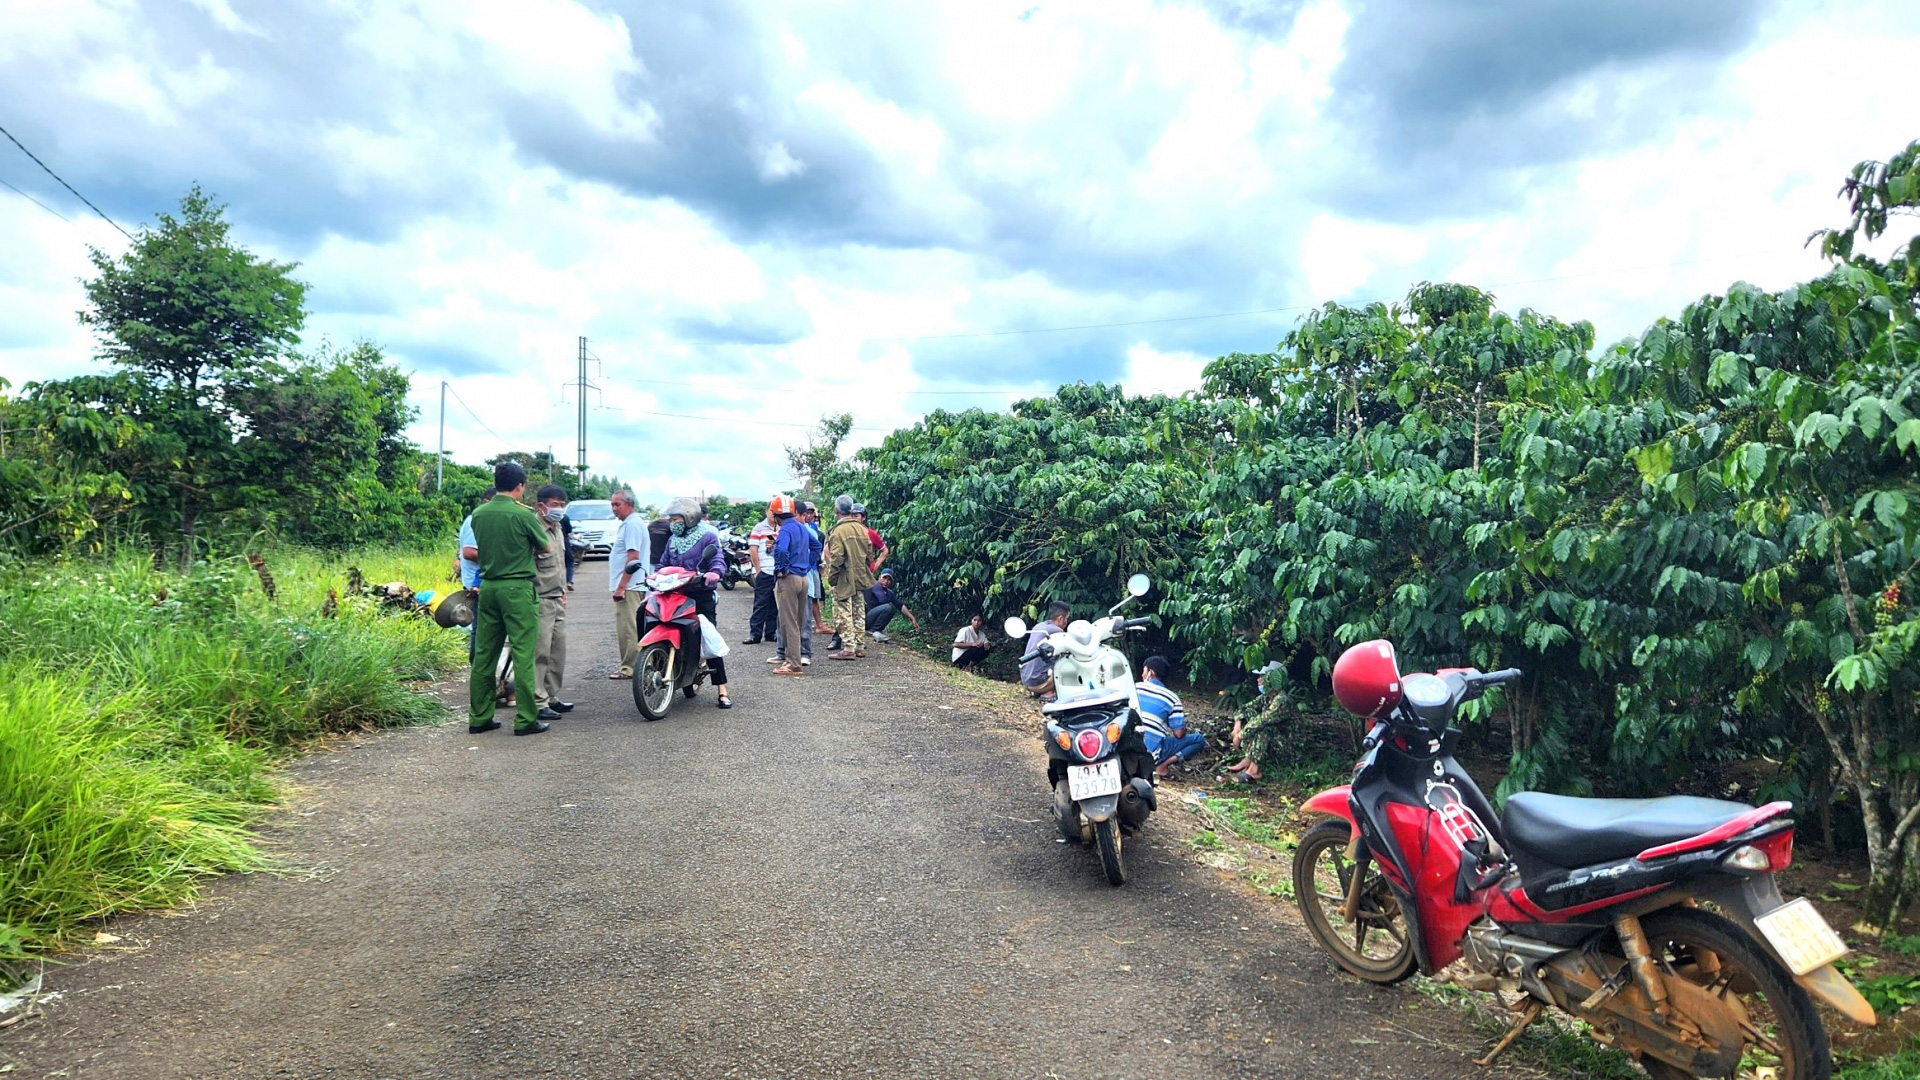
x=1562 y=831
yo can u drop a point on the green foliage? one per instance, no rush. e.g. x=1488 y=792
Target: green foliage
x=1890 y=994
x=1904 y=1065
x=1062 y=499
x=140 y=712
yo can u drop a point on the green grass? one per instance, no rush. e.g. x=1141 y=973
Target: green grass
x=141 y=714
x=1904 y=1065
x=1554 y=1044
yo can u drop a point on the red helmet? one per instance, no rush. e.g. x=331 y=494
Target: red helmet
x=1366 y=678
x=781 y=506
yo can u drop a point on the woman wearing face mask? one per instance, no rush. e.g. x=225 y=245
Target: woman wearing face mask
x=694 y=545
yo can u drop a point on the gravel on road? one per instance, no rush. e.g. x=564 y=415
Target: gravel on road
x=838 y=877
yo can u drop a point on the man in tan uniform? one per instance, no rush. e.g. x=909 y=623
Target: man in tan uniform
x=550 y=584
x=849 y=574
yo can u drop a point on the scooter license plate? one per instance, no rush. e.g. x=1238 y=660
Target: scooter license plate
x=1801 y=936
x=1092 y=781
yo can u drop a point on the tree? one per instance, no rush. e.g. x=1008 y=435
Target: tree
x=196 y=316
x=813 y=460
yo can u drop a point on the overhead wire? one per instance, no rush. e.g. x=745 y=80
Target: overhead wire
x=76 y=194
x=504 y=442
x=37 y=202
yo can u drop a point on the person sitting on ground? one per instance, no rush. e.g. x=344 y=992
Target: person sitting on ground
x=970 y=645
x=1255 y=727
x=1163 y=721
x=1037 y=674
x=883 y=603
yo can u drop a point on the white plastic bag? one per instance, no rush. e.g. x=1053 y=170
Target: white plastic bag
x=712 y=645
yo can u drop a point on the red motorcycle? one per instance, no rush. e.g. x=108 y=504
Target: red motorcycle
x=670 y=639
x=1590 y=906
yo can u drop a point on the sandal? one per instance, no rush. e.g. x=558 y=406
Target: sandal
x=785 y=670
x=617 y=677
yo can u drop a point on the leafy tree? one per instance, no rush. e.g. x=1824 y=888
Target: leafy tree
x=815 y=460
x=196 y=316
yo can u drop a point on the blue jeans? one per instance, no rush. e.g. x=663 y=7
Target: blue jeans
x=1178 y=748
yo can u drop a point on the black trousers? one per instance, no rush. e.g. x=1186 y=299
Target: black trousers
x=969 y=657
x=879 y=617
x=703 y=604
x=764 y=623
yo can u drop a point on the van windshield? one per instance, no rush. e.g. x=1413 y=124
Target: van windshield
x=592 y=511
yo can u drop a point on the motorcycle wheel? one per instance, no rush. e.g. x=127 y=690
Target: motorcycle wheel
x=1106 y=837
x=1375 y=946
x=651 y=691
x=1785 y=1039
x=728 y=583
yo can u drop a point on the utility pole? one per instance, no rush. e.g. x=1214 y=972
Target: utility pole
x=440 y=461
x=581 y=463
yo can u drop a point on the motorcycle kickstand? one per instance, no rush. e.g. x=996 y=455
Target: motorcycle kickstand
x=1528 y=1013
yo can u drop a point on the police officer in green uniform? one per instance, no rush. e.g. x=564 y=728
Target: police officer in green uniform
x=507 y=535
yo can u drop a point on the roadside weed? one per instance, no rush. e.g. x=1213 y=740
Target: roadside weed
x=141 y=711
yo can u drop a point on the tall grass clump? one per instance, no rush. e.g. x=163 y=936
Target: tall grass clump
x=141 y=712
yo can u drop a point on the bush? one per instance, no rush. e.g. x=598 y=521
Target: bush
x=141 y=713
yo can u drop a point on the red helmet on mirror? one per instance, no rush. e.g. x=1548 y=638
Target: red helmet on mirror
x=1366 y=679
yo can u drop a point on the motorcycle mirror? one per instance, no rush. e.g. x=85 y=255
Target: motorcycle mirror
x=1015 y=626
x=1138 y=584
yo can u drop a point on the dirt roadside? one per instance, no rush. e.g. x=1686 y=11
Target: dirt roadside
x=849 y=874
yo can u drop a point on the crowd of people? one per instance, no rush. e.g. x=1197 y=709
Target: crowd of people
x=518 y=562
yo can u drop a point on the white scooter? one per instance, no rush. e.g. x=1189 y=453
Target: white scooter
x=1097 y=761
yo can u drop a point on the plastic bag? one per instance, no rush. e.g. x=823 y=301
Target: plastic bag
x=712 y=645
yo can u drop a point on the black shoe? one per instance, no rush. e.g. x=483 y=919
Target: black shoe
x=562 y=706
x=726 y=703
x=534 y=730
x=548 y=714
x=491 y=725
x=753 y=641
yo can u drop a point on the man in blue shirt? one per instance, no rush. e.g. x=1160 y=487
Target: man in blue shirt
x=1163 y=721
x=469 y=550
x=795 y=554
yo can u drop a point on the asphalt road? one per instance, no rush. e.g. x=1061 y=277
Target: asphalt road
x=836 y=878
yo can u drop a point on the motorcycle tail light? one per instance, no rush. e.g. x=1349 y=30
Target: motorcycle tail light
x=1113 y=732
x=1778 y=849
x=1065 y=741
x=1088 y=743
x=1749 y=858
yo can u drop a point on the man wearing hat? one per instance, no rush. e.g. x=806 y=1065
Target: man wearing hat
x=883 y=604
x=849 y=573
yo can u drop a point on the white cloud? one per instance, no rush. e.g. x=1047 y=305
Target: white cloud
x=1150 y=371
x=898 y=176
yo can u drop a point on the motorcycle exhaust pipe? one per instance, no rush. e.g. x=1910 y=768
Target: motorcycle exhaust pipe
x=1137 y=800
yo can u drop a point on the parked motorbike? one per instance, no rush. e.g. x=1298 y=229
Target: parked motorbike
x=1590 y=906
x=1097 y=761
x=739 y=563
x=670 y=639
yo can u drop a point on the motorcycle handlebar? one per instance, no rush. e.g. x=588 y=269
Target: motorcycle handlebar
x=1493 y=678
x=1135 y=624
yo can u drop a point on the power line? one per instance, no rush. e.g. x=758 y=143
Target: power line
x=37 y=202
x=505 y=444
x=63 y=183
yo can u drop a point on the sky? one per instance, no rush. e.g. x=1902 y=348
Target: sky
x=760 y=213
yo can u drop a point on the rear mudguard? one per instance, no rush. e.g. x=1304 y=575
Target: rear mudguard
x=1337 y=801
x=1100 y=807
x=662 y=632
x=1747 y=899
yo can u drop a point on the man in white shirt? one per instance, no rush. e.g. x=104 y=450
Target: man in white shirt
x=764 y=623
x=630 y=545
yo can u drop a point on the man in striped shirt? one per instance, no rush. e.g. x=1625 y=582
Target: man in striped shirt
x=1163 y=720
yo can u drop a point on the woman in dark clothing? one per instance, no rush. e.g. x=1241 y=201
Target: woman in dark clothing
x=694 y=545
